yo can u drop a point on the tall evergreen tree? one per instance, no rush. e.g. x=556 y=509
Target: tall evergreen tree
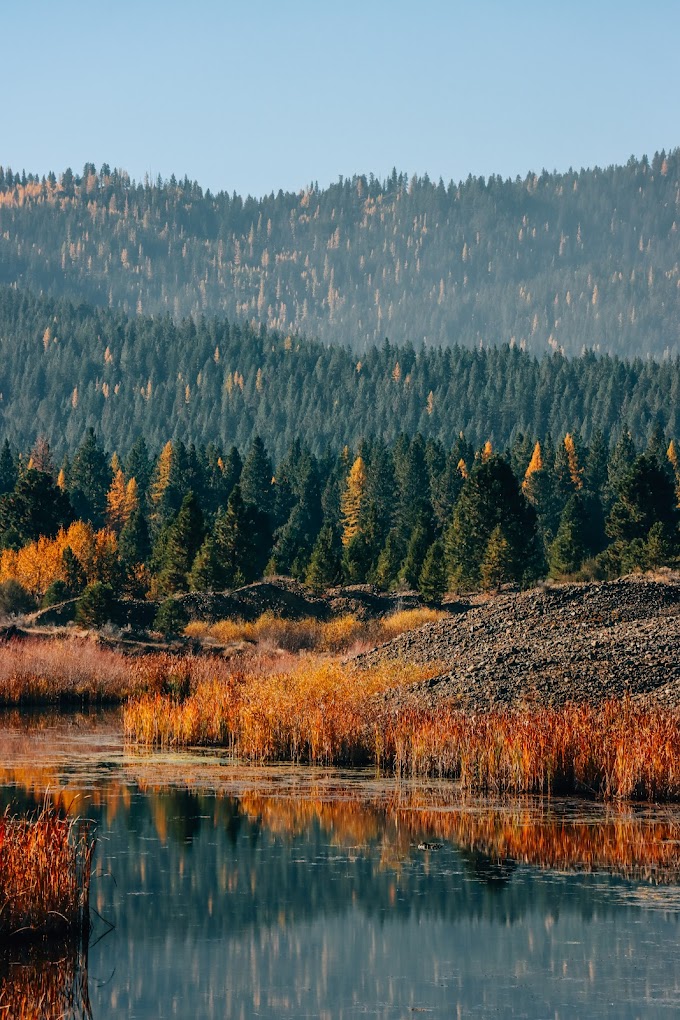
x=491 y=497
x=184 y=539
x=89 y=481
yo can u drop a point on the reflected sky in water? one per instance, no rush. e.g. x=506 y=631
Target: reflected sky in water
x=302 y=893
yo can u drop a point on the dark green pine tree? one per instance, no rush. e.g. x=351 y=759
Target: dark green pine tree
x=138 y=465
x=597 y=460
x=621 y=460
x=324 y=570
x=497 y=566
x=207 y=572
x=89 y=481
x=661 y=548
x=134 y=544
x=8 y=469
x=256 y=478
x=433 y=581
x=237 y=541
x=568 y=550
x=36 y=507
x=386 y=572
x=416 y=551
x=183 y=540
x=300 y=513
x=646 y=495
x=490 y=497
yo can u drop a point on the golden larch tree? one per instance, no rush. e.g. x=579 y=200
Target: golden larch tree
x=115 y=502
x=575 y=470
x=353 y=501
x=535 y=464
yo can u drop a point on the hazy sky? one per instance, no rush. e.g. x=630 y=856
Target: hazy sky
x=261 y=95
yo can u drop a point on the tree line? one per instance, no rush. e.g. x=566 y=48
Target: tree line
x=411 y=514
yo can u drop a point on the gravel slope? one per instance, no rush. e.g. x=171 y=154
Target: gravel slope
x=549 y=646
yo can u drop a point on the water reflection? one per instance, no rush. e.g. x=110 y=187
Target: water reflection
x=299 y=892
x=44 y=981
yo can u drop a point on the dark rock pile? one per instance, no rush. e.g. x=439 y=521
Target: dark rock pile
x=584 y=642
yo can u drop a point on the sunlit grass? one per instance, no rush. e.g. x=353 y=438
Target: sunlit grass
x=328 y=713
x=309 y=634
x=321 y=711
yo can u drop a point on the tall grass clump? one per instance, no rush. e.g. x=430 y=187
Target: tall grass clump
x=45 y=866
x=324 y=712
x=319 y=711
x=618 y=749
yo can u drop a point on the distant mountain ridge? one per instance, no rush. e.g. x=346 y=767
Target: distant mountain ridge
x=563 y=262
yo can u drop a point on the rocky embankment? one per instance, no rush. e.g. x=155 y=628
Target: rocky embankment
x=579 y=642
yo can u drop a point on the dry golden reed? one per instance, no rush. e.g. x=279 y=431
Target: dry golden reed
x=45 y=865
x=322 y=712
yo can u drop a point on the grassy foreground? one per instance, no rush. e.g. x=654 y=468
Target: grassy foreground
x=287 y=696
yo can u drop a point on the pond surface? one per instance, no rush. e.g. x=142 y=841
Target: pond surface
x=292 y=892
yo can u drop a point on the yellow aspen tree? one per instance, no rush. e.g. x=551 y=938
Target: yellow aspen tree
x=115 y=502
x=352 y=500
x=575 y=470
x=37 y=565
x=462 y=468
x=487 y=450
x=535 y=464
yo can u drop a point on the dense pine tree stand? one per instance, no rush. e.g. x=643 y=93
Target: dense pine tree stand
x=410 y=515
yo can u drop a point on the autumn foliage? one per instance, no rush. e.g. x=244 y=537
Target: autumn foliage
x=38 y=564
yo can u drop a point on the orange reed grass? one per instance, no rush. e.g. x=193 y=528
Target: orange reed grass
x=320 y=712
x=45 y=865
x=327 y=713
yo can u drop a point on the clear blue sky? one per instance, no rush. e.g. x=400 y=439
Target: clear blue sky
x=261 y=95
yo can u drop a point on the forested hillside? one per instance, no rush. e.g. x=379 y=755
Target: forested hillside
x=552 y=262
x=64 y=368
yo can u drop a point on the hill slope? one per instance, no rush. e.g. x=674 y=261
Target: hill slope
x=556 y=261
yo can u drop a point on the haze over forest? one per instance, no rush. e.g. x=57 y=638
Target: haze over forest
x=552 y=262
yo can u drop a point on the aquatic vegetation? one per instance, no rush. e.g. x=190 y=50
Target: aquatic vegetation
x=321 y=712
x=45 y=865
x=327 y=713
x=619 y=749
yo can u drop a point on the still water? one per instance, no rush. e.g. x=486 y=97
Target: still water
x=284 y=892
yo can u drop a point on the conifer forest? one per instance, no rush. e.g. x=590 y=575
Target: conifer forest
x=404 y=383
